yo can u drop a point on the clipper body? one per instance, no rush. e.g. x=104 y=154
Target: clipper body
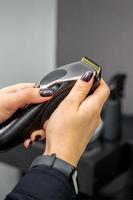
x=20 y=126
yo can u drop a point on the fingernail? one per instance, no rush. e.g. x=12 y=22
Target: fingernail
x=38 y=137
x=30 y=144
x=46 y=93
x=87 y=76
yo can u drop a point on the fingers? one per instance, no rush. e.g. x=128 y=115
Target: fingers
x=45 y=125
x=35 y=136
x=26 y=96
x=31 y=95
x=101 y=94
x=97 y=99
x=17 y=87
x=38 y=135
x=81 y=88
x=27 y=143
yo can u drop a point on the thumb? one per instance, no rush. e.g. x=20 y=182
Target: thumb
x=81 y=88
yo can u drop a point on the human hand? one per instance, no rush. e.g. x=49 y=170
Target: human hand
x=17 y=96
x=73 y=123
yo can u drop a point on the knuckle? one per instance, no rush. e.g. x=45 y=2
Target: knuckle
x=99 y=120
x=28 y=93
x=68 y=100
x=96 y=108
x=20 y=85
x=80 y=89
x=107 y=90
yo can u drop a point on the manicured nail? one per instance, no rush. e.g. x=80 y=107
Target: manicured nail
x=87 y=76
x=38 y=137
x=46 y=93
x=30 y=144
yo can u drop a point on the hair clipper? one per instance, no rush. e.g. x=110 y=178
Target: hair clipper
x=24 y=121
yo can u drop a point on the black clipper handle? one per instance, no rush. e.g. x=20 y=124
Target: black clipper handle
x=22 y=123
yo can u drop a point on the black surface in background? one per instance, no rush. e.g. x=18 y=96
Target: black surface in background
x=121 y=186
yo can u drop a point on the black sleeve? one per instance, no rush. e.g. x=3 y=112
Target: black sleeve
x=42 y=183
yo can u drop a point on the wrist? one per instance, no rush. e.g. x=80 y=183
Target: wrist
x=69 y=158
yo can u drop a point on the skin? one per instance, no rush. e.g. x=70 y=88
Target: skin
x=72 y=124
x=18 y=96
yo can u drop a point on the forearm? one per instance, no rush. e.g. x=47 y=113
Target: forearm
x=42 y=183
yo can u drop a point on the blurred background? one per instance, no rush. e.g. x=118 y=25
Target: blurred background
x=37 y=36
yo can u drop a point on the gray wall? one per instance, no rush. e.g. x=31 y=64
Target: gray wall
x=102 y=30
x=27 y=39
x=27 y=52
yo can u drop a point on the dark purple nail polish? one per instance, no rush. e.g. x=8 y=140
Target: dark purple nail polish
x=87 y=76
x=30 y=144
x=46 y=93
x=38 y=137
